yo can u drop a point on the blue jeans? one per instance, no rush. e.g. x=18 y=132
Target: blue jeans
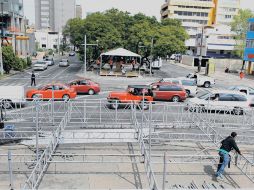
x=224 y=163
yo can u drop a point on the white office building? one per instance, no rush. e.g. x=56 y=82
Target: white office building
x=53 y=14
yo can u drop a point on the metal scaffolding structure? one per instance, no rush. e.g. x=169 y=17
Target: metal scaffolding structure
x=59 y=122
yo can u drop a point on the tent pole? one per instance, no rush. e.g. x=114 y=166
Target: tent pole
x=100 y=65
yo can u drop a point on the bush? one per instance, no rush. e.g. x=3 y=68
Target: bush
x=28 y=61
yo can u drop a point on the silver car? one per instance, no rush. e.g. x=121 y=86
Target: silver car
x=64 y=63
x=40 y=66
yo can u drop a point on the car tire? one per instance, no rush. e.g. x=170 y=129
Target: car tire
x=144 y=105
x=188 y=93
x=66 y=97
x=7 y=104
x=207 y=84
x=237 y=111
x=114 y=104
x=175 y=99
x=91 y=92
x=35 y=96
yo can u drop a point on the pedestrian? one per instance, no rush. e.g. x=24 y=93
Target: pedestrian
x=111 y=64
x=227 y=145
x=53 y=54
x=133 y=63
x=241 y=75
x=33 y=79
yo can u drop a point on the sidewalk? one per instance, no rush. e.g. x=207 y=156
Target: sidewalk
x=229 y=79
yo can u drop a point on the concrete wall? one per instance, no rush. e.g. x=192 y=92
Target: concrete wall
x=220 y=64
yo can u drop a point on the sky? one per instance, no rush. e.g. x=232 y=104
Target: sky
x=148 y=7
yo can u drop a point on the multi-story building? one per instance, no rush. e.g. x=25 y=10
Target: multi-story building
x=46 y=39
x=53 y=14
x=196 y=14
x=13 y=29
x=249 y=49
x=225 y=11
x=78 y=11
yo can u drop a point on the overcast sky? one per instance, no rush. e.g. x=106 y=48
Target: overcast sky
x=148 y=7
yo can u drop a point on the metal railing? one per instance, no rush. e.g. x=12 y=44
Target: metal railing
x=42 y=164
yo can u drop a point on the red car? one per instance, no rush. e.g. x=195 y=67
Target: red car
x=56 y=91
x=85 y=86
x=168 y=91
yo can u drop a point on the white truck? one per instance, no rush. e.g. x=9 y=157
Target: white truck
x=201 y=80
x=11 y=95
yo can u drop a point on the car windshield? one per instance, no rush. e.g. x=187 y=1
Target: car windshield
x=138 y=91
x=64 y=60
x=40 y=62
x=204 y=95
x=188 y=82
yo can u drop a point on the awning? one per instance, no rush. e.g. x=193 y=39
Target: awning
x=121 y=52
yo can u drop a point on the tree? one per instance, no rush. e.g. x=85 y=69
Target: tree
x=9 y=58
x=239 y=25
x=115 y=28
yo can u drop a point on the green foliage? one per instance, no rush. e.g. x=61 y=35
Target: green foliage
x=239 y=25
x=28 y=61
x=11 y=61
x=114 y=28
x=50 y=52
x=8 y=58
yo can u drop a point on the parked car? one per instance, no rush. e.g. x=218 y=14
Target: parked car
x=64 y=63
x=249 y=91
x=168 y=91
x=134 y=93
x=72 y=53
x=201 y=80
x=52 y=91
x=157 y=63
x=11 y=95
x=222 y=100
x=85 y=86
x=49 y=61
x=40 y=66
x=189 y=85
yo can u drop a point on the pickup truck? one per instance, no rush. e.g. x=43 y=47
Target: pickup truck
x=201 y=80
x=139 y=94
x=11 y=95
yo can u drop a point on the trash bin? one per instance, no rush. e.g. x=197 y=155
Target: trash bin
x=9 y=131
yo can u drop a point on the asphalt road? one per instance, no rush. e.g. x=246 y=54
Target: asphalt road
x=52 y=74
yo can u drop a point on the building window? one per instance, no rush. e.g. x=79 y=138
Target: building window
x=43 y=45
x=251 y=26
x=250 y=44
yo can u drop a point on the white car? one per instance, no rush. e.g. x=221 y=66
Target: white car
x=189 y=85
x=40 y=66
x=202 y=80
x=221 y=100
x=247 y=90
x=157 y=63
x=49 y=61
x=64 y=63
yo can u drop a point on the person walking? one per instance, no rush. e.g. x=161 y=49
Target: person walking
x=227 y=145
x=33 y=79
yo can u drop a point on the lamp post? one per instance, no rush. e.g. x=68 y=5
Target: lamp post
x=2 y=36
x=85 y=48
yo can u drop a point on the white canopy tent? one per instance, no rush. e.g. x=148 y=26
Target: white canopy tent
x=121 y=52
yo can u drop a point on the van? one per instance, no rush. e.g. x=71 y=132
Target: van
x=11 y=95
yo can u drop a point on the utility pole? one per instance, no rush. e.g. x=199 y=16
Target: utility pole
x=10 y=169
x=200 y=50
x=2 y=35
x=85 y=55
x=151 y=56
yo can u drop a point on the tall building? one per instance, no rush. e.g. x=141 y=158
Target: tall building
x=53 y=14
x=196 y=14
x=78 y=11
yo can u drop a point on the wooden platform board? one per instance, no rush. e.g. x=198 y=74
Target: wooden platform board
x=119 y=74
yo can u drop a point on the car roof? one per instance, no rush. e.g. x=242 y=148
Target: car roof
x=163 y=83
x=139 y=86
x=240 y=86
x=227 y=91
